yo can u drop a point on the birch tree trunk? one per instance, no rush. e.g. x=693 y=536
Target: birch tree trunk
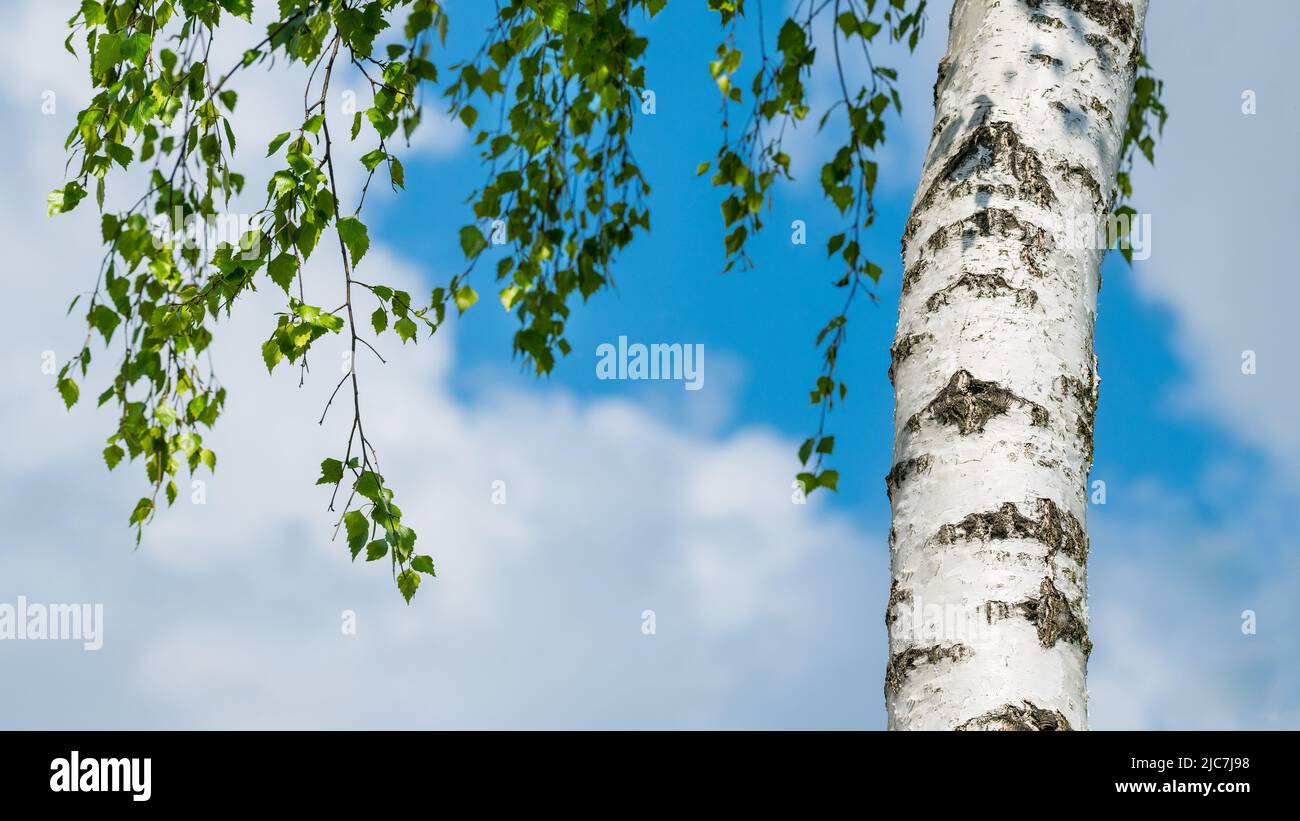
x=993 y=366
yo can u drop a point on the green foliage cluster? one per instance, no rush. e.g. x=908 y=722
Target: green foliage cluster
x=551 y=97
x=161 y=103
x=566 y=77
x=1146 y=121
x=563 y=187
x=750 y=164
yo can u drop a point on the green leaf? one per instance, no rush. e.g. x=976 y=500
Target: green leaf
x=276 y=143
x=282 y=270
x=370 y=485
x=472 y=241
x=402 y=538
x=357 y=527
x=121 y=154
x=379 y=320
x=271 y=354
x=808 y=481
x=406 y=328
x=143 y=508
x=408 y=581
x=108 y=51
x=105 y=320
x=465 y=298
x=112 y=455
x=354 y=235
x=69 y=391
x=93 y=12
x=376 y=550
x=331 y=472
x=136 y=48
x=556 y=15
x=423 y=564
x=509 y=294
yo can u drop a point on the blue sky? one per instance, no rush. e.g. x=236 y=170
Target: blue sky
x=627 y=496
x=763 y=321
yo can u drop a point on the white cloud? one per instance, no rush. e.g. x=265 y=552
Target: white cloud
x=230 y=613
x=1168 y=597
x=1222 y=200
x=768 y=613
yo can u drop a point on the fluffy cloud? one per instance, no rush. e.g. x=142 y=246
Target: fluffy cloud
x=231 y=613
x=1170 y=597
x=1222 y=200
x=766 y=613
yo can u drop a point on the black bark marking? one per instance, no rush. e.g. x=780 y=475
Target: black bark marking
x=1025 y=716
x=903 y=348
x=991 y=146
x=1086 y=395
x=1051 y=526
x=996 y=611
x=1086 y=180
x=1115 y=16
x=968 y=403
x=911 y=275
x=1061 y=532
x=983 y=286
x=1055 y=617
x=1103 y=47
x=1101 y=109
x=1047 y=21
x=903 y=470
x=902 y=664
x=1006 y=522
x=1035 y=242
x=897 y=596
x=938 y=81
x=1046 y=60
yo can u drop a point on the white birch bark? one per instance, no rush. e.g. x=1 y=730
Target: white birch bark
x=993 y=366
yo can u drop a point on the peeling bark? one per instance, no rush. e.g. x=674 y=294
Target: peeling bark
x=1025 y=716
x=1116 y=16
x=1087 y=180
x=1057 y=530
x=982 y=286
x=897 y=595
x=993 y=367
x=902 y=349
x=903 y=470
x=968 y=404
x=902 y=664
x=1033 y=242
x=1055 y=617
x=996 y=148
